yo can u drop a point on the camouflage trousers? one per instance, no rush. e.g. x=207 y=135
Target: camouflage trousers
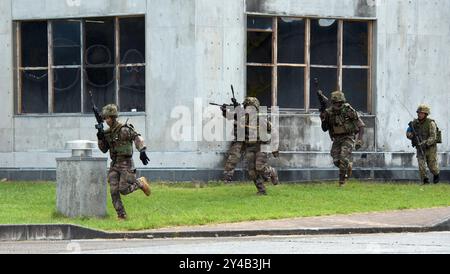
x=341 y=151
x=258 y=169
x=122 y=181
x=234 y=157
x=430 y=159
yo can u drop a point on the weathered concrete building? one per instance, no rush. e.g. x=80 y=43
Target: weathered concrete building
x=149 y=56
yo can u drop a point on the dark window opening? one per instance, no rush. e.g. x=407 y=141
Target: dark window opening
x=355 y=88
x=291 y=87
x=291 y=40
x=86 y=55
x=34 y=91
x=324 y=42
x=34 y=44
x=67 y=86
x=259 y=47
x=66 y=43
x=132 y=89
x=356 y=43
x=259 y=84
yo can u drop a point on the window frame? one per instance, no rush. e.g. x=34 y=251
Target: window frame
x=51 y=67
x=307 y=63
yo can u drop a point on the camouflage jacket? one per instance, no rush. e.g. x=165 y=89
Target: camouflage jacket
x=426 y=131
x=345 y=121
x=119 y=141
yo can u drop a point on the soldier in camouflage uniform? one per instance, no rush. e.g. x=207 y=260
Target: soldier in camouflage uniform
x=258 y=169
x=423 y=133
x=237 y=148
x=118 y=139
x=343 y=123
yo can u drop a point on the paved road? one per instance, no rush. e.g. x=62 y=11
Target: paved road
x=435 y=243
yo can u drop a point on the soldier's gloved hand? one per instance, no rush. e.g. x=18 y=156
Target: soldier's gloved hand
x=322 y=116
x=144 y=158
x=359 y=144
x=101 y=135
x=423 y=145
x=276 y=154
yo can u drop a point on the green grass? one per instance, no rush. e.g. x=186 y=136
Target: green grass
x=190 y=204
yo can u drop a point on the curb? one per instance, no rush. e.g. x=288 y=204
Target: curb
x=54 y=232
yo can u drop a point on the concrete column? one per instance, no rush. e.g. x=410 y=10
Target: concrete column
x=81 y=182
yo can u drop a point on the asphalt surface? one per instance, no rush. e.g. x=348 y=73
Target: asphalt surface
x=406 y=243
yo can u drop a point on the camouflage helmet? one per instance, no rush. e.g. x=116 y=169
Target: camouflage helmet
x=424 y=108
x=338 y=97
x=110 y=111
x=252 y=101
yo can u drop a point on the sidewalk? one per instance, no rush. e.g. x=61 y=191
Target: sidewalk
x=420 y=220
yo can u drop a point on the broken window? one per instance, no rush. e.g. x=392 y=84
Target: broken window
x=105 y=56
x=291 y=52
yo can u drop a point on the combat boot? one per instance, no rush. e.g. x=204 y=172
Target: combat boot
x=426 y=181
x=274 y=176
x=436 y=179
x=342 y=178
x=227 y=178
x=145 y=186
x=122 y=217
x=261 y=188
x=350 y=170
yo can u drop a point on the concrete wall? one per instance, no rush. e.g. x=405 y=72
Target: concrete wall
x=196 y=49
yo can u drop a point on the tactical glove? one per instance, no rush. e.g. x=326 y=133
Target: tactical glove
x=359 y=144
x=276 y=154
x=144 y=158
x=101 y=135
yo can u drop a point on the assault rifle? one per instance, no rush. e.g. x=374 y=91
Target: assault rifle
x=234 y=102
x=98 y=117
x=323 y=100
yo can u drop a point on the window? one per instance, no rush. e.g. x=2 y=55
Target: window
x=285 y=54
x=62 y=62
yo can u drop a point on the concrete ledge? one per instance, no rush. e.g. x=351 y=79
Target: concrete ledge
x=286 y=175
x=72 y=232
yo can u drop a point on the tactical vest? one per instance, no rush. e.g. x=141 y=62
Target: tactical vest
x=255 y=132
x=343 y=121
x=118 y=145
x=423 y=130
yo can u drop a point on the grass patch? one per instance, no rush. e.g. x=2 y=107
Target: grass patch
x=215 y=202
